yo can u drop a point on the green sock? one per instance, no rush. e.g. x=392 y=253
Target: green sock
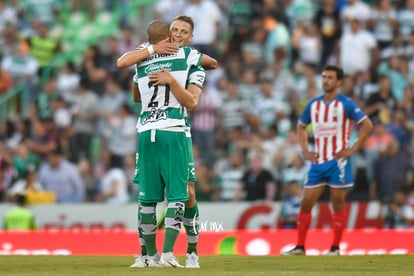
x=191 y=225
x=173 y=221
x=141 y=236
x=148 y=227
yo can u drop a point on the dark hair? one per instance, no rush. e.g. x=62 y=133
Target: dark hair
x=339 y=72
x=185 y=18
x=21 y=199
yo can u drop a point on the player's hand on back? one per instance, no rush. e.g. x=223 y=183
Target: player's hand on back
x=161 y=78
x=165 y=47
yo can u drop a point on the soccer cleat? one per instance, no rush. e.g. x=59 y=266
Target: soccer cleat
x=154 y=261
x=333 y=252
x=191 y=260
x=168 y=260
x=140 y=261
x=296 y=251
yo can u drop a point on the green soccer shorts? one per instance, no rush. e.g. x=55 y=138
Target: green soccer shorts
x=163 y=164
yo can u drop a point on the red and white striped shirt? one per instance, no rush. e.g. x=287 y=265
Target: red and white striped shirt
x=331 y=123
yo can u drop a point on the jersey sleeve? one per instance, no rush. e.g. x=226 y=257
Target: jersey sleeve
x=193 y=57
x=135 y=78
x=305 y=117
x=353 y=111
x=196 y=76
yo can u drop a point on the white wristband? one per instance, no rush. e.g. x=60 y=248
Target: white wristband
x=150 y=49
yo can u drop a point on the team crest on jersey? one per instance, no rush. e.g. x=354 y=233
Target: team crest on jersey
x=156 y=115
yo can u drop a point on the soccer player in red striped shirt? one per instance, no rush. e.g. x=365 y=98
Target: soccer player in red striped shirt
x=332 y=116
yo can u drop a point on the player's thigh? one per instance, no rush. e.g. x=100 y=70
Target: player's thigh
x=151 y=187
x=174 y=166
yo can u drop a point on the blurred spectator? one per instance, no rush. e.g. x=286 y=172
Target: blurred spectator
x=84 y=108
x=395 y=48
x=89 y=178
x=365 y=85
x=20 y=217
x=290 y=205
x=47 y=10
x=297 y=10
x=256 y=184
x=9 y=40
x=166 y=10
x=306 y=41
x=122 y=140
x=60 y=176
x=295 y=171
x=277 y=41
x=407 y=104
x=113 y=188
x=252 y=48
x=43 y=47
x=92 y=71
x=24 y=160
x=26 y=184
x=63 y=121
x=21 y=65
x=8 y=15
x=391 y=69
x=375 y=145
x=248 y=86
x=67 y=81
x=398 y=214
x=229 y=173
x=384 y=22
x=7 y=172
x=42 y=106
x=380 y=104
x=203 y=123
x=265 y=106
x=43 y=139
x=88 y=7
x=357 y=49
x=401 y=129
x=234 y=108
x=207 y=188
x=355 y=10
x=406 y=19
x=391 y=171
x=327 y=19
x=308 y=76
x=207 y=19
x=110 y=102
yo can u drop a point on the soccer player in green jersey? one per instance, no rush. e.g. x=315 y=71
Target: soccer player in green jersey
x=183 y=34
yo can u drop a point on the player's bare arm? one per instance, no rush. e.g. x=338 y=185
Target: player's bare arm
x=135 y=56
x=366 y=127
x=208 y=62
x=187 y=97
x=303 y=141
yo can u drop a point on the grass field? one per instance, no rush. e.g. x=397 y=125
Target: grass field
x=400 y=265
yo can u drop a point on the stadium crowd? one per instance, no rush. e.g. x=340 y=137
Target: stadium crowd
x=79 y=138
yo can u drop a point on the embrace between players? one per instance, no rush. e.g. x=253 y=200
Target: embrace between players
x=168 y=82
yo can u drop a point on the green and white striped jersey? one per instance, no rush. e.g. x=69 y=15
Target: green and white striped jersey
x=160 y=108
